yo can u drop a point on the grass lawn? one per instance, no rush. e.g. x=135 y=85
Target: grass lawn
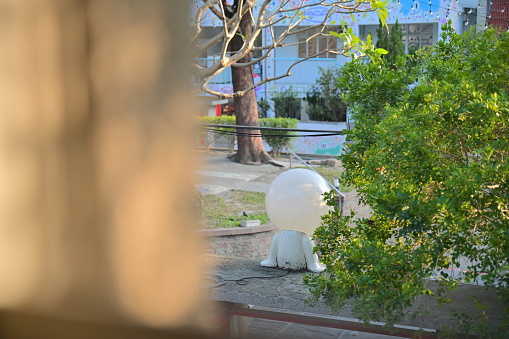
x=227 y=209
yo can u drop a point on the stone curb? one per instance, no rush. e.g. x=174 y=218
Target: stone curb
x=218 y=232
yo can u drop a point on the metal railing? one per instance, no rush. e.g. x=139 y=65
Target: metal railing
x=349 y=324
x=304 y=74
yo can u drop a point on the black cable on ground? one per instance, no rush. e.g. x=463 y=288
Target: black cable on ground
x=242 y=281
x=218 y=280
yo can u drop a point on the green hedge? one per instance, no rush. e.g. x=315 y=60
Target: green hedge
x=276 y=143
x=210 y=137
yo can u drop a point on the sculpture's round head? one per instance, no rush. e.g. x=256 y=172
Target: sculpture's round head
x=295 y=200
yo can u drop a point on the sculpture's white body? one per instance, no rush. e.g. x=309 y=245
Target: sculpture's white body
x=294 y=203
x=293 y=250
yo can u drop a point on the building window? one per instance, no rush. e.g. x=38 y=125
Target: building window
x=318 y=46
x=415 y=36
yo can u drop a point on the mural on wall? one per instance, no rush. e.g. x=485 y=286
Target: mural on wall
x=406 y=11
x=328 y=145
x=401 y=10
x=228 y=89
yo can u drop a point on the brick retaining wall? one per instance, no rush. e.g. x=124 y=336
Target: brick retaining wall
x=246 y=242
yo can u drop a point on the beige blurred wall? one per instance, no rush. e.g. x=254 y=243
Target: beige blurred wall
x=96 y=186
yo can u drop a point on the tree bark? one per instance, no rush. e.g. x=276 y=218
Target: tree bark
x=250 y=149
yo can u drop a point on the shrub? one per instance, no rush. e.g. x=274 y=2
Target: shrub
x=276 y=140
x=287 y=104
x=209 y=137
x=263 y=108
x=324 y=98
x=230 y=138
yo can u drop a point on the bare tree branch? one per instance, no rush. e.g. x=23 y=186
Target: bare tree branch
x=267 y=18
x=203 y=86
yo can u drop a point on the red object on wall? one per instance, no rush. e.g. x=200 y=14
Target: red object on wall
x=499 y=15
x=219 y=110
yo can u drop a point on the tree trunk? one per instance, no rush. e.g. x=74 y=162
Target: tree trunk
x=250 y=149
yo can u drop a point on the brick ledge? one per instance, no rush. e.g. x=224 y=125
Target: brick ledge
x=218 y=232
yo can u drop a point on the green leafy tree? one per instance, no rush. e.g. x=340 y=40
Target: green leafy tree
x=395 y=46
x=369 y=87
x=433 y=163
x=287 y=104
x=392 y=42
x=382 y=32
x=264 y=107
x=324 y=99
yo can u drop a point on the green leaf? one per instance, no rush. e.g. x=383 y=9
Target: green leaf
x=381 y=51
x=369 y=40
x=336 y=34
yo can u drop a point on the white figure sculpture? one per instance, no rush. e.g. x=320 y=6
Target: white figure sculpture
x=294 y=204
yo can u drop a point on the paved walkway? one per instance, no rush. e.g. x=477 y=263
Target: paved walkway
x=218 y=174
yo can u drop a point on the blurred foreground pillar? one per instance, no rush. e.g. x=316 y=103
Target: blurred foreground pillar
x=96 y=213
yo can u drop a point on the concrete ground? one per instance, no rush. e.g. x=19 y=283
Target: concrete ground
x=218 y=174
x=273 y=289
